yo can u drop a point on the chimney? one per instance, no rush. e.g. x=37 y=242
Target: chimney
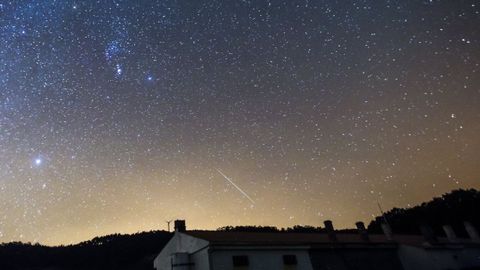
x=450 y=233
x=428 y=234
x=180 y=225
x=472 y=232
x=362 y=231
x=387 y=230
x=330 y=230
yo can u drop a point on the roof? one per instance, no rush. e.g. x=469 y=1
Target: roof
x=260 y=238
x=299 y=239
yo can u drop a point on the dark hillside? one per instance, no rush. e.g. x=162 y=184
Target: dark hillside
x=115 y=251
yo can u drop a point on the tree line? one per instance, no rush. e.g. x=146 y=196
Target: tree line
x=137 y=251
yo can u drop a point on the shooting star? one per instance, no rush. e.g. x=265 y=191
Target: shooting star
x=237 y=187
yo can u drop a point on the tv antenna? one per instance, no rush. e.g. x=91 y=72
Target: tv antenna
x=383 y=214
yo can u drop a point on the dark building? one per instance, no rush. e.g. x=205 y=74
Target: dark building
x=214 y=250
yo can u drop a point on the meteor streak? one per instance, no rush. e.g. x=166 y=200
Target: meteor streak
x=237 y=187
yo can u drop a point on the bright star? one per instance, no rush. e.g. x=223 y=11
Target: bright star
x=38 y=161
x=119 y=70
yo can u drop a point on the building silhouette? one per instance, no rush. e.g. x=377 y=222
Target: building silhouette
x=212 y=250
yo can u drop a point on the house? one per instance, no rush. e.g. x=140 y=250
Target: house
x=212 y=250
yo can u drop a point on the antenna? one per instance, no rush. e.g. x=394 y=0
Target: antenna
x=383 y=214
x=168 y=224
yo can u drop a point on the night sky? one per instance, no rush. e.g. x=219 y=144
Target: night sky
x=118 y=115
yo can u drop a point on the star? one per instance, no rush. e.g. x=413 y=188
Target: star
x=119 y=70
x=38 y=161
x=305 y=102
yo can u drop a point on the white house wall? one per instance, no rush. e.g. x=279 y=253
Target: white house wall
x=200 y=260
x=413 y=258
x=470 y=257
x=180 y=243
x=260 y=259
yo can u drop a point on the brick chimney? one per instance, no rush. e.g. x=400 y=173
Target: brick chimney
x=180 y=225
x=387 y=230
x=362 y=231
x=428 y=234
x=330 y=230
x=450 y=233
x=472 y=232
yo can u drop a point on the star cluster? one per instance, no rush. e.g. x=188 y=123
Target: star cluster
x=117 y=115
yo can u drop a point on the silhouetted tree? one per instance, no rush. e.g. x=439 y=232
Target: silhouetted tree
x=248 y=229
x=452 y=208
x=270 y=229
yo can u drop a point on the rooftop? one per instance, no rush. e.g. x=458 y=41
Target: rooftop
x=299 y=239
